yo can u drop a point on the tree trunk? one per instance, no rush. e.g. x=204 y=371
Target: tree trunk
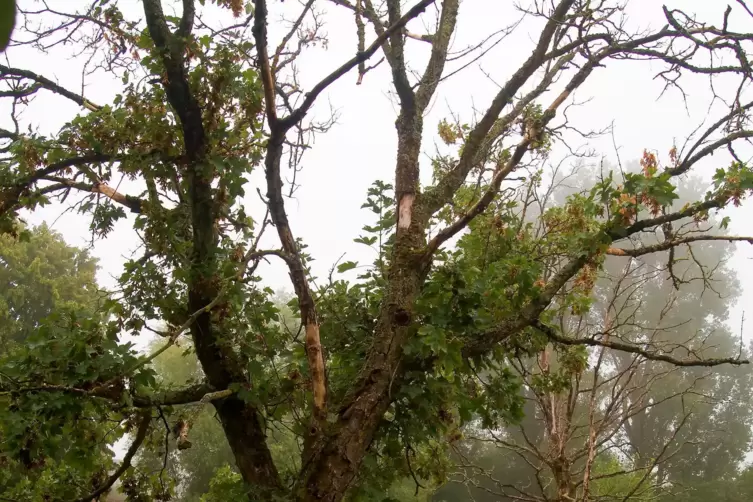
x=565 y=487
x=338 y=456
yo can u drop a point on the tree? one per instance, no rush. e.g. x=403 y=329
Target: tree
x=591 y=410
x=40 y=275
x=579 y=441
x=204 y=471
x=382 y=372
x=736 y=489
x=45 y=283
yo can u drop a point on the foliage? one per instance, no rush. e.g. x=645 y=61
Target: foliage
x=41 y=274
x=631 y=485
x=225 y=485
x=50 y=333
x=701 y=417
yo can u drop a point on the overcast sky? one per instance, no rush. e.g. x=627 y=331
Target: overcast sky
x=360 y=148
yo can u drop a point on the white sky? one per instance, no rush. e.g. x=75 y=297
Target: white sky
x=360 y=148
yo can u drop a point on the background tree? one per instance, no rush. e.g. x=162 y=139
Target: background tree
x=382 y=373
x=644 y=414
x=42 y=274
x=48 y=285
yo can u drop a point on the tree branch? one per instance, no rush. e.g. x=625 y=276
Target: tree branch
x=634 y=349
x=9 y=198
x=515 y=158
x=267 y=78
x=186 y=20
x=176 y=85
x=397 y=60
x=617 y=233
x=134 y=448
x=438 y=58
x=176 y=397
x=447 y=186
x=528 y=314
x=49 y=85
x=531 y=312
x=296 y=24
x=135 y=204
x=665 y=245
x=394 y=29
x=709 y=149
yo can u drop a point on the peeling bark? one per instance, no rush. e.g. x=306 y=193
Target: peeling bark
x=338 y=456
x=132 y=203
x=316 y=366
x=405 y=209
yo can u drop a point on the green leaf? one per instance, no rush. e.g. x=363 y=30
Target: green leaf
x=345 y=266
x=368 y=241
x=7 y=21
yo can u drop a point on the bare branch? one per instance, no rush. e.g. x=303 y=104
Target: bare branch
x=396 y=27
x=289 y=34
x=552 y=334
x=48 y=84
x=707 y=150
x=665 y=245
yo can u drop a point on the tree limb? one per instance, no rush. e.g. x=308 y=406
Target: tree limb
x=520 y=150
x=187 y=19
x=10 y=196
x=395 y=28
x=135 y=204
x=709 y=150
x=49 y=85
x=618 y=232
x=146 y=419
x=552 y=334
x=187 y=395
x=690 y=157
x=438 y=58
x=665 y=245
x=449 y=184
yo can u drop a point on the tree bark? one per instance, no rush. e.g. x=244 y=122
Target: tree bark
x=239 y=419
x=338 y=456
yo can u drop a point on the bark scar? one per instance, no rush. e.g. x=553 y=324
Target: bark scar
x=316 y=366
x=405 y=207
